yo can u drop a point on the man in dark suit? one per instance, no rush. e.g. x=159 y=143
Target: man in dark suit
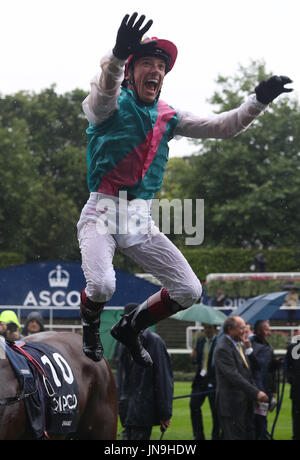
x=236 y=393
x=264 y=374
x=204 y=382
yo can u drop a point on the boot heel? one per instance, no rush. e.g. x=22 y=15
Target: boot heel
x=92 y=346
x=123 y=333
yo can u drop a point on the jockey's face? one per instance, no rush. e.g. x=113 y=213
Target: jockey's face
x=149 y=73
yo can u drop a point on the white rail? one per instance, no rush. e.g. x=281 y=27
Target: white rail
x=189 y=330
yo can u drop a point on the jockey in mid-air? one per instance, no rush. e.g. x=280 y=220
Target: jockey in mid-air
x=129 y=130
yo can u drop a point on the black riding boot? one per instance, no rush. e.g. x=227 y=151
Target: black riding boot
x=90 y=318
x=127 y=330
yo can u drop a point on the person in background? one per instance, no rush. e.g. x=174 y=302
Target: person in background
x=205 y=383
x=34 y=323
x=265 y=372
x=220 y=298
x=249 y=331
x=12 y=332
x=3 y=327
x=145 y=395
x=236 y=392
x=292 y=298
x=9 y=325
x=260 y=263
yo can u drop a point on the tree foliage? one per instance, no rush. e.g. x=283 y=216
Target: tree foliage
x=42 y=173
x=249 y=183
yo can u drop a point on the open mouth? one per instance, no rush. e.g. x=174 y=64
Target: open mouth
x=152 y=84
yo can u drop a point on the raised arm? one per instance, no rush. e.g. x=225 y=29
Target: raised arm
x=105 y=90
x=221 y=126
x=229 y=124
x=105 y=86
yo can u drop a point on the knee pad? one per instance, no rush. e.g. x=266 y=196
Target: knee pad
x=196 y=292
x=189 y=294
x=100 y=289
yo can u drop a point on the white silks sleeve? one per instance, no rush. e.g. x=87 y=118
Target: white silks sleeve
x=105 y=90
x=221 y=126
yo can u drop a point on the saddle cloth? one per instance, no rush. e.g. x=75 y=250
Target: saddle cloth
x=53 y=409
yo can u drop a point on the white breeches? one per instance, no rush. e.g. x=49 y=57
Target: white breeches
x=153 y=252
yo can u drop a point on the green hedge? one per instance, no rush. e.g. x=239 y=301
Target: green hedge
x=9 y=259
x=245 y=288
x=206 y=261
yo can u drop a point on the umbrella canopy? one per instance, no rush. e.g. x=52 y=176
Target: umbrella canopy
x=290 y=286
x=260 y=307
x=201 y=313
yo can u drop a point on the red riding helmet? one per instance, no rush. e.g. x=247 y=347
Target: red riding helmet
x=164 y=49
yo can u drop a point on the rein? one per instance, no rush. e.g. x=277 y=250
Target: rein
x=4 y=402
x=15 y=399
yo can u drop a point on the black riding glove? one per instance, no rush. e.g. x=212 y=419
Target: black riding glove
x=268 y=90
x=129 y=36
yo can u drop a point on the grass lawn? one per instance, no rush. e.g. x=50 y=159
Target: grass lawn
x=181 y=427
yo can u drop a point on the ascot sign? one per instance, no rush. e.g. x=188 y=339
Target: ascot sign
x=59 y=279
x=59 y=284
